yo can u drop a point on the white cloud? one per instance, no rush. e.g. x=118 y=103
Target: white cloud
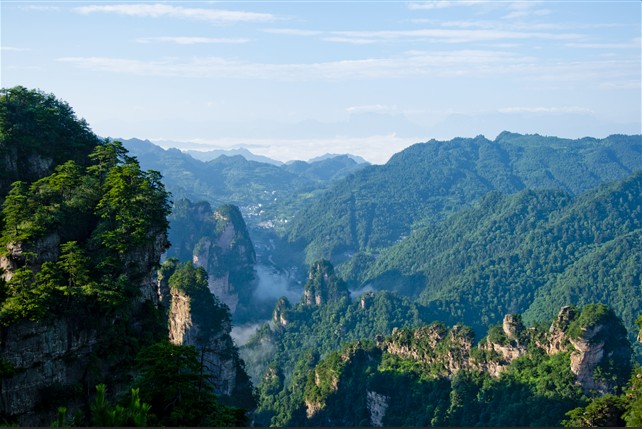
x=182 y=40
x=13 y=49
x=411 y=64
x=455 y=35
x=563 y=109
x=292 y=32
x=165 y=10
x=351 y=40
x=415 y=63
x=443 y=4
x=41 y=8
x=376 y=149
x=634 y=43
x=522 y=9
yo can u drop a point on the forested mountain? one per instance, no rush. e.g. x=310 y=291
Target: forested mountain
x=447 y=241
x=213 y=154
x=39 y=132
x=83 y=331
x=267 y=194
x=379 y=205
x=530 y=252
x=436 y=376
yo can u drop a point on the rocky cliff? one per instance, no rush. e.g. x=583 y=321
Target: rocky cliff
x=218 y=241
x=59 y=360
x=197 y=318
x=323 y=285
x=589 y=348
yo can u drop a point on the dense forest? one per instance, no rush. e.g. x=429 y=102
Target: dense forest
x=464 y=283
x=82 y=332
x=422 y=184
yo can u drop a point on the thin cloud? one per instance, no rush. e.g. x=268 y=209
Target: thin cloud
x=524 y=9
x=351 y=40
x=412 y=64
x=455 y=36
x=181 y=40
x=292 y=32
x=443 y=4
x=165 y=10
x=562 y=109
x=13 y=49
x=41 y=8
x=635 y=43
x=465 y=62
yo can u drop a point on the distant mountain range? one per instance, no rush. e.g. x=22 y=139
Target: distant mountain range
x=268 y=192
x=213 y=154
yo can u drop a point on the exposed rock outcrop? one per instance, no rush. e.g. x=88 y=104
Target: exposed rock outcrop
x=216 y=347
x=63 y=355
x=197 y=318
x=592 y=346
x=279 y=315
x=218 y=241
x=323 y=285
x=377 y=405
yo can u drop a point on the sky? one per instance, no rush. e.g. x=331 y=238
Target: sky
x=298 y=79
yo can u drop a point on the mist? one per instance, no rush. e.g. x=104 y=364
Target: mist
x=357 y=292
x=273 y=284
x=242 y=334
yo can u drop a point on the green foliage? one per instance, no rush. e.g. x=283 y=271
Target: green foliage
x=532 y=252
x=379 y=205
x=633 y=396
x=172 y=381
x=103 y=414
x=75 y=231
x=37 y=133
x=7 y=369
x=198 y=230
x=605 y=411
x=322 y=329
x=206 y=309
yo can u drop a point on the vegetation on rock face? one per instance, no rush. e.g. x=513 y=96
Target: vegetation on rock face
x=82 y=226
x=217 y=240
x=81 y=233
x=72 y=241
x=173 y=382
x=434 y=376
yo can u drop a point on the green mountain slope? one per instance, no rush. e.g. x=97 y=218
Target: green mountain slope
x=522 y=252
x=377 y=206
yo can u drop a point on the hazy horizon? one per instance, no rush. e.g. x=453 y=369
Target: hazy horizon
x=295 y=80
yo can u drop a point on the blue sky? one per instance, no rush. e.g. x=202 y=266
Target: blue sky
x=297 y=79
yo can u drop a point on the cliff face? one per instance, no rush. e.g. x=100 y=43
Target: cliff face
x=591 y=339
x=323 y=285
x=59 y=361
x=219 y=242
x=217 y=349
x=197 y=318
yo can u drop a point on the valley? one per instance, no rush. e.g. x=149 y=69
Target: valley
x=464 y=282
